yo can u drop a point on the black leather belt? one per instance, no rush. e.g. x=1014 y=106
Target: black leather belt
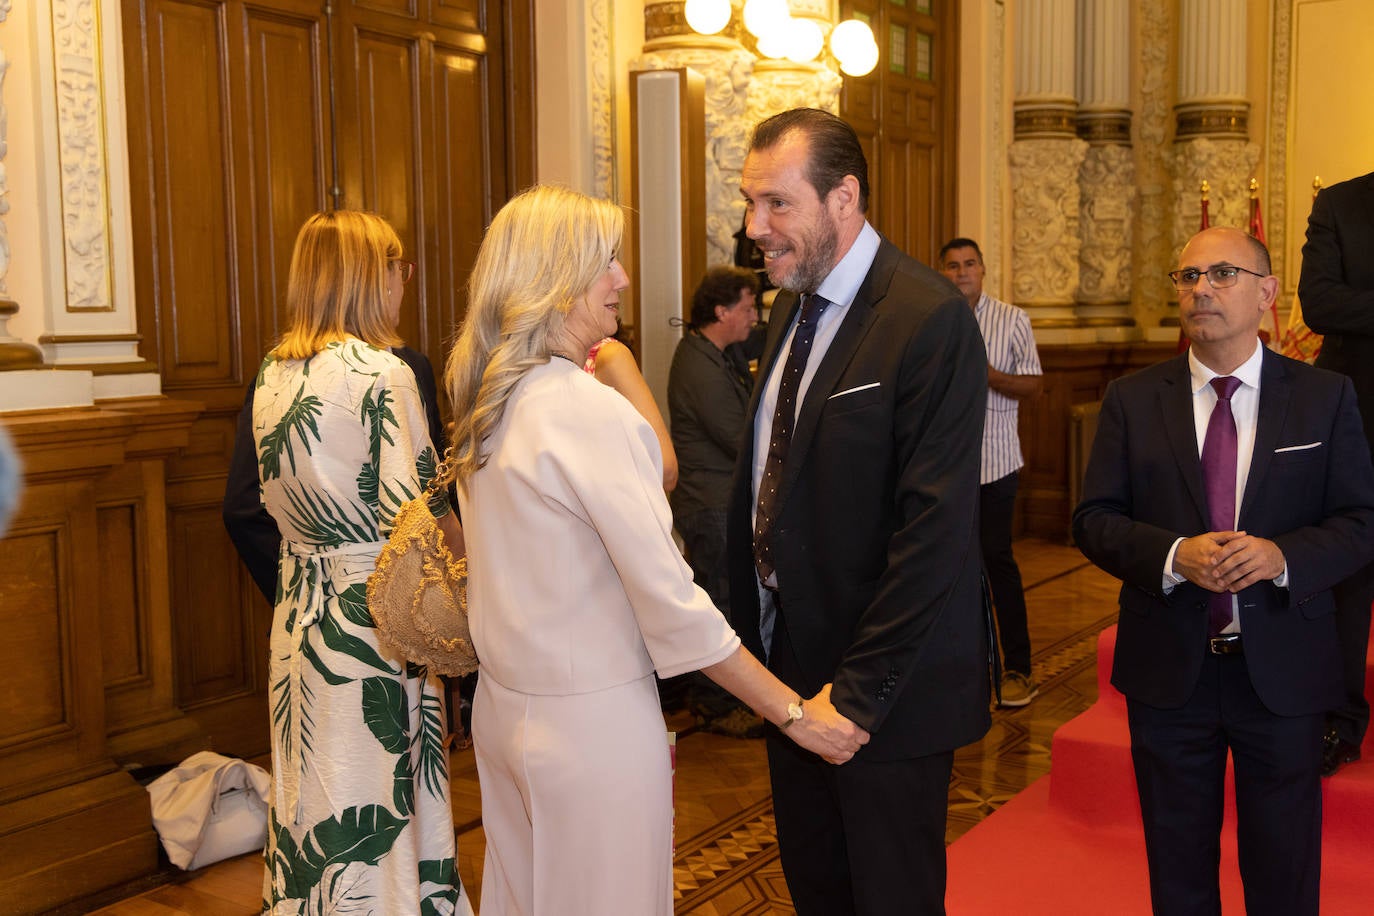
x=1225 y=645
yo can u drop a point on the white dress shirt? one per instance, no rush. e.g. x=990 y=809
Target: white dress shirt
x=1245 y=410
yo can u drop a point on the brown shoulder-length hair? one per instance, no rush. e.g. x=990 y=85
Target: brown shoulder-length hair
x=337 y=284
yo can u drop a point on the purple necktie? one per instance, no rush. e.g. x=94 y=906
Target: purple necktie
x=1219 y=476
x=781 y=438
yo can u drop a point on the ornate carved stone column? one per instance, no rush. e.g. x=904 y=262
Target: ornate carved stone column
x=1044 y=162
x=1211 y=117
x=727 y=66
x=1107 y=180
x=14 y=353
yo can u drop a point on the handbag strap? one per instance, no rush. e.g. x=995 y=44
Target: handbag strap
x=443 y=475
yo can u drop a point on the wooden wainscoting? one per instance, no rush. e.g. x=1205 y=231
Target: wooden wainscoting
x=86 y=658
x=1074 y=374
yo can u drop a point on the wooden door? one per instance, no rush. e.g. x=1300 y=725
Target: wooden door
x=245 y=118
x=904 y=112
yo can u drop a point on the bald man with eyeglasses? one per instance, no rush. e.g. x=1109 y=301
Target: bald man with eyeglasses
x=1229 y=489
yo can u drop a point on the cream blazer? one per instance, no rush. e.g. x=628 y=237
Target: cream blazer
x=574 y=581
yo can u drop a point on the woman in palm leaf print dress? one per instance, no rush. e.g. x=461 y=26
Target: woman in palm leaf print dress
x=360 y=818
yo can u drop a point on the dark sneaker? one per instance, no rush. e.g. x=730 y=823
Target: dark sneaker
x=1017 y=689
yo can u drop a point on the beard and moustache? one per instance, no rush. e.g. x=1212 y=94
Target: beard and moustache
x=814 y=253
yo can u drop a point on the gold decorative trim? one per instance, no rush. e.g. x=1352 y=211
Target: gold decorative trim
x=1104 y=127
x=1220 y=121
x=1044 y=122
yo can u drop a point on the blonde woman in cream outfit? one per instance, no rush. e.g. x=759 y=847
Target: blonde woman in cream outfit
x=576 y=591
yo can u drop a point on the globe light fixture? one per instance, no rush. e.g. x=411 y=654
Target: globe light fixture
x=707 y=16
x=774 y=43
x=763 y=17
x=854 y=47
x=804 y=40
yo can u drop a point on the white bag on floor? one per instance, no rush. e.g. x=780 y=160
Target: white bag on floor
x=210 y=808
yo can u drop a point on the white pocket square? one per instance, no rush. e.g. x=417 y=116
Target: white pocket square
x=840 y=394
x=1296 y=448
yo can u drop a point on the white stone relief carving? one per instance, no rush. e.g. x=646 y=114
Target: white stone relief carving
x=1107 y=185
x=1151 y=254
x=778 y=86
x=726 y=73
x=81 y=152
x=601 y=97
x=1226 y=165
x=1045 y=203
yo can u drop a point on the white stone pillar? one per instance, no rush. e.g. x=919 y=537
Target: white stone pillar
x=14 y=352
x=1107 y=179
x=1212 y=116
x=1044 y=163
x=75 y=247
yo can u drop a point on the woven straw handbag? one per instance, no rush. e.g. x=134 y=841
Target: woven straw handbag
x=418 y=593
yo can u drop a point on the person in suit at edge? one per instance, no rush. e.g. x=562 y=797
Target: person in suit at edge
x=1229 y=488
x=853 y=538
x=1337 y=291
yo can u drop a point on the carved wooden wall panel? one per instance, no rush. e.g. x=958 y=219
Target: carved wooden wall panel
x=33 y=622
x=235 y=140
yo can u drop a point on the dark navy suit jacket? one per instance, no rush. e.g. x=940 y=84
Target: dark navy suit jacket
x=1310 y=489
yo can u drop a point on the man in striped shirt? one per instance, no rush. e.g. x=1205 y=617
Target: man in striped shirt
x=1013 y=375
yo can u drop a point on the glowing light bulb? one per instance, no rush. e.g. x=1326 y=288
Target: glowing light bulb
x=853 y=45
x=764 y=17
x=804 y=40
x=707 y=16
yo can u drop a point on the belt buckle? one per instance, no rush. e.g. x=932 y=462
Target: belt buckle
x=1228 y=644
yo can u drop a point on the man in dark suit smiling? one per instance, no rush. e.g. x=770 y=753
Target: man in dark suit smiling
x=852 y=534
x=1229 y=489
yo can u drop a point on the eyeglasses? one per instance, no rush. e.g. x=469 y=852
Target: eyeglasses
x=1220 y=277
x=407 y=268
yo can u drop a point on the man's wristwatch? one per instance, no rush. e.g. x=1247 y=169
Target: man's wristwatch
x=794 y=712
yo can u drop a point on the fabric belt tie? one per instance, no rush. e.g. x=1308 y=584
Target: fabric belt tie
x=308 y=567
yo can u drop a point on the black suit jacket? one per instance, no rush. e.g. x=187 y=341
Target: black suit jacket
x=1310 y=489
x=875 y=539
x=250 y=527
x=1337 y=284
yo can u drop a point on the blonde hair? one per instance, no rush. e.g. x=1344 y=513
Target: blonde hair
x=338 y=284
x=544 y=249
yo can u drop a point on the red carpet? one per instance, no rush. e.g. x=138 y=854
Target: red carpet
x=1071 y=843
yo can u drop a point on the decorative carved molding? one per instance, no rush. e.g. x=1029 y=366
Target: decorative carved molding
x=1045 y=204
x=81 y=154
x=1227 y=166
x=1107 y=209
x=599 y=56
x=727 y=73
x=1213 y=121
x=1151 y=255
x=1099 y=127
x=1044 y=121
x=1276 y=191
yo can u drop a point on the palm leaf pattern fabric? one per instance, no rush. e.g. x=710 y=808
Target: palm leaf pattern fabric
x=360 y=814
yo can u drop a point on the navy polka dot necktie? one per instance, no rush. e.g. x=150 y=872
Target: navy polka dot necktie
x=784 y=418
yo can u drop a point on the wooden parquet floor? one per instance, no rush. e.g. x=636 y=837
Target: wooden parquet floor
x=726 y=862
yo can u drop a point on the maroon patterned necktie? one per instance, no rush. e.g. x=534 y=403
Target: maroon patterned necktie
x=784 y=417
x=1219 y=476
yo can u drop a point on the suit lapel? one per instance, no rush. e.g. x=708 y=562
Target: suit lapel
x=1275 y=391
x=1176 y=408
x=857 y=321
